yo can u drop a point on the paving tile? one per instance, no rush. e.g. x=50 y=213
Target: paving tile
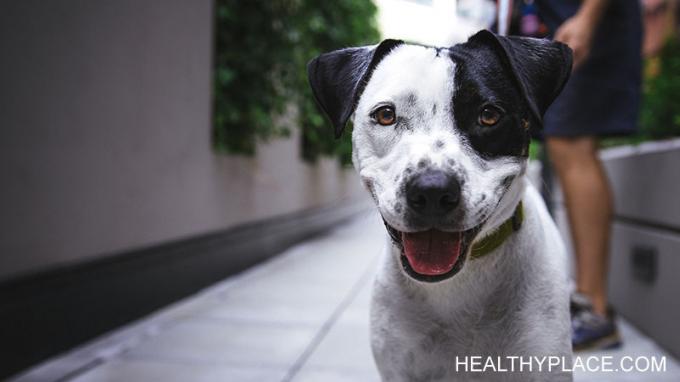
x=247 y=344
x=346 y=346
x=146 y=371
x=335 y=375
x=358 y=311
x=289 y=311
x=341 y=260
x=635 y=344
x=291 y=288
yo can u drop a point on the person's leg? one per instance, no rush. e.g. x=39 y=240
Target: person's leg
x=589 y=208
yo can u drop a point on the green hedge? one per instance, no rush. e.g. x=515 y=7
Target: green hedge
x=262 y=47
x=660 y=113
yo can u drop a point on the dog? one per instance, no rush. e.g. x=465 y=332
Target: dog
x=474 y=265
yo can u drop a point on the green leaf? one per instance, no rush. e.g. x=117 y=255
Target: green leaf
x=261 y=51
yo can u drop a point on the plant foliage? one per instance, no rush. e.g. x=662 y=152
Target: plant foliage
x=660 y=113
x=262 y=48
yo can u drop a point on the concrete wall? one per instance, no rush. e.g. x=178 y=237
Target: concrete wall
x=105 y=110
x=646 y=186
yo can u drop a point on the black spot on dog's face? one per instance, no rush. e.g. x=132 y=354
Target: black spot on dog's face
x=423 y=163
x=508 y=181
x=482 y=81
x=411 y=100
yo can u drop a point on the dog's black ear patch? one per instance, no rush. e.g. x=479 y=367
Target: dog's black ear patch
x=338 y=78
x=541 y=67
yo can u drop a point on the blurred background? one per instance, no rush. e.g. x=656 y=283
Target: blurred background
x=150 y=149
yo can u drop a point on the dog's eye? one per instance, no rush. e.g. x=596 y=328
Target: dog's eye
x=385 y=115
x=489 y=116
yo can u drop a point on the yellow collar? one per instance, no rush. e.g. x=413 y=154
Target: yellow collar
x=495 y=239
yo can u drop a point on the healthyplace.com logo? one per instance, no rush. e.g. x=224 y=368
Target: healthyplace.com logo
x=594 y=363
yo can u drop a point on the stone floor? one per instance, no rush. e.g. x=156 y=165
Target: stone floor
x=302 y=316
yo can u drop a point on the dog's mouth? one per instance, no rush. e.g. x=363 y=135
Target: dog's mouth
x=432 y=255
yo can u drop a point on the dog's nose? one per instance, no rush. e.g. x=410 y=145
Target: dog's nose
x=433 y=193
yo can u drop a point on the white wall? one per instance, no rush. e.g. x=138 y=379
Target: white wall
x=105 y=111
x=429 y=22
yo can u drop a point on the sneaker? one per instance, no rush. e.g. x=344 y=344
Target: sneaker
x=589 y=330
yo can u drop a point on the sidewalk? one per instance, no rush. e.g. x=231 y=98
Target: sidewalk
x=302 y=316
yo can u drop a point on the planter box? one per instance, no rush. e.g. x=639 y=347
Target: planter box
x=646 y=182
x=645 y=247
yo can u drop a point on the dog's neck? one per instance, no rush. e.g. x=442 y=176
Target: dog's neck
x=506 y=208
x=489 y=243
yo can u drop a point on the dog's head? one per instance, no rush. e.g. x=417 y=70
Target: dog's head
x=441 y=135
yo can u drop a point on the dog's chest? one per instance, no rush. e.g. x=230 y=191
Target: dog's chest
x=422 y=344
x=431 y=352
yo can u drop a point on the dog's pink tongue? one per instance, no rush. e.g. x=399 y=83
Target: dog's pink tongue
x=431 y=252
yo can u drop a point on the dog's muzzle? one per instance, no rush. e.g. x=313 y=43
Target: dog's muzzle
x=432 y=255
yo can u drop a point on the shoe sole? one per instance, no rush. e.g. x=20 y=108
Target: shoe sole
x=611 y=341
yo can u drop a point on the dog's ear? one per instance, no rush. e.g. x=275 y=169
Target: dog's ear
x=540 y=67
x=338 y=78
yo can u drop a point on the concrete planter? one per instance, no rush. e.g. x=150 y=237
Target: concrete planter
x=644 y=278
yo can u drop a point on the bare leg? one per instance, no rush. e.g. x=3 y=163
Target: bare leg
x=589 y=208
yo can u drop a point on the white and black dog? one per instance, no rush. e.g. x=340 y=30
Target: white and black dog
x=475 y=266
